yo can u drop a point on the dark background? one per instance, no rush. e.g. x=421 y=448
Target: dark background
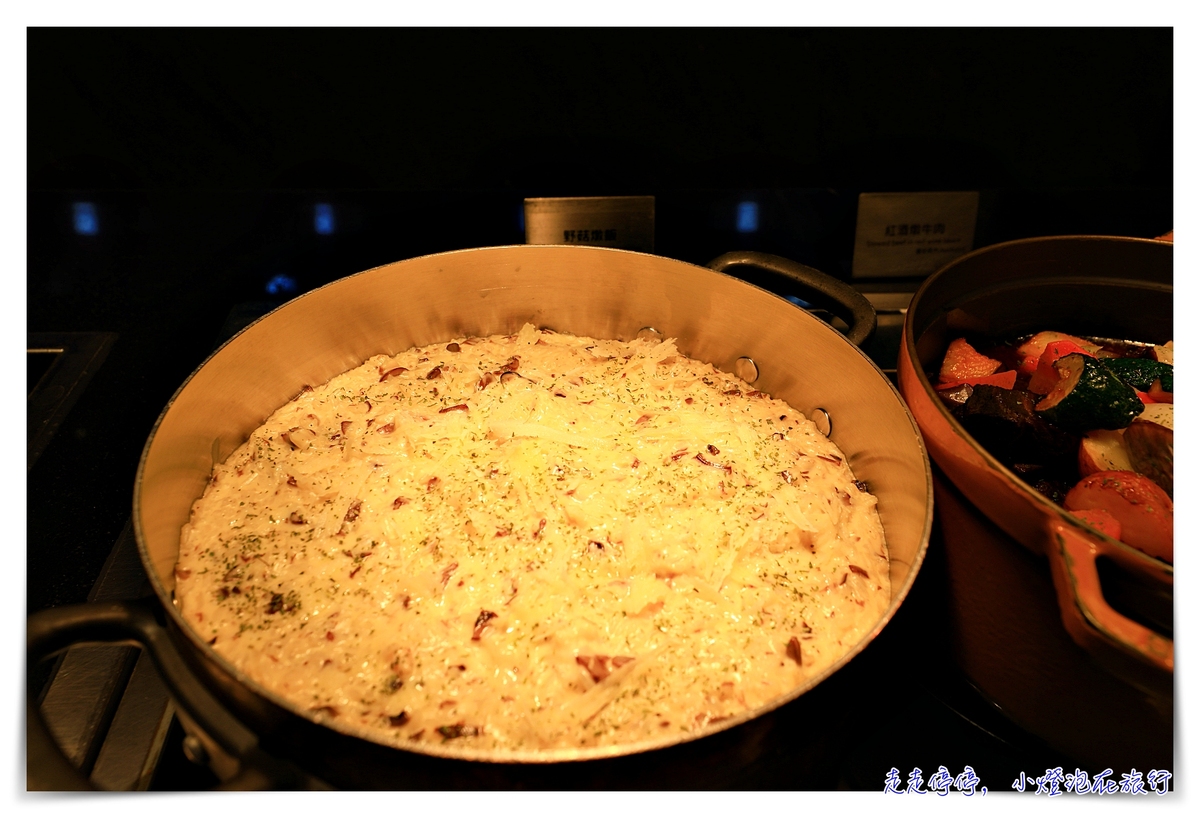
x=204 y=151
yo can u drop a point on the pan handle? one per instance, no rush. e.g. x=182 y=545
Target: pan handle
x=823 y=290
x=56 y=629
x=1124 y=646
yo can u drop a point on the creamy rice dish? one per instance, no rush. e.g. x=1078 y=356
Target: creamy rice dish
x=533 y=541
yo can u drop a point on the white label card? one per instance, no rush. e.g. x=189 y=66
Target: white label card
x=912 y=234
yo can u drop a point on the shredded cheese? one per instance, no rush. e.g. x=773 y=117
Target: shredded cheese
x=533 y=541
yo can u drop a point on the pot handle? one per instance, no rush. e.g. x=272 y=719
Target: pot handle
x=56 y=629
x=824 y=290
x=1118 y=642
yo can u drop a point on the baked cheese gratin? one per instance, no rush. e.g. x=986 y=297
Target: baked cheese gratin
x=533 y=541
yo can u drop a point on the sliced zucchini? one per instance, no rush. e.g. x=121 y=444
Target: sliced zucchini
x=1089 y=396
x=1140 y=373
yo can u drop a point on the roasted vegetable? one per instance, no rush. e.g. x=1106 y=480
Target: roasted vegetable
x=963 y=363
x=1103 y=450
x=1030 y=352
x=1046 y=376
x=1145 y=512
x=1141 y=373
x=1089 y=396
x=1005 y=423
x=1100 y=520
x=1160 y=395
x=1161 y=413
x=1151 y=448
x=1007 y=380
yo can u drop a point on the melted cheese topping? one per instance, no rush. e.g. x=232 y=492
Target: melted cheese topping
x=533 y=541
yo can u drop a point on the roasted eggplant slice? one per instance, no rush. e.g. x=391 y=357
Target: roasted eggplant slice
x=1005 y=423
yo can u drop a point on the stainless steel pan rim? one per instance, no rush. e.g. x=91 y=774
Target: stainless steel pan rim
x=606 y=258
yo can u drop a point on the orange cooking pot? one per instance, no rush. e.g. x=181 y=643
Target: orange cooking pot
x=1113 y=600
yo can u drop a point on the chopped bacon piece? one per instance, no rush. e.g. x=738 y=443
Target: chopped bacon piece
x=453 y=347
x=713 y=449
x=787 y=476
x=513 y=364
x=291 y=481
x=399 y=720
x=296 y=518
x=450 y=569
x=679 y=454
x=434 y=374
x=288 y=440
x=352 y=512
x=431 y=483
x=383 y=376
x=481 y=623
x=793 y=651
x=833 y=458
x=483 y=383
x=460 y=407
x=386 y=429
x=400 y=501
x=857 y=570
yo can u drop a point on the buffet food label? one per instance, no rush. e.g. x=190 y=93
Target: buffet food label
x=626 y=222
x=912 y=234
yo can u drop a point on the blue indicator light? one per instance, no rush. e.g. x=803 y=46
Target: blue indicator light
x=281 y=285
x=799 y=302
x=747 y=217
x=323 y=219
x=86 y=223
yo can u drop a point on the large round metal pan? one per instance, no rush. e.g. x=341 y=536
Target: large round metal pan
x=581 y=290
